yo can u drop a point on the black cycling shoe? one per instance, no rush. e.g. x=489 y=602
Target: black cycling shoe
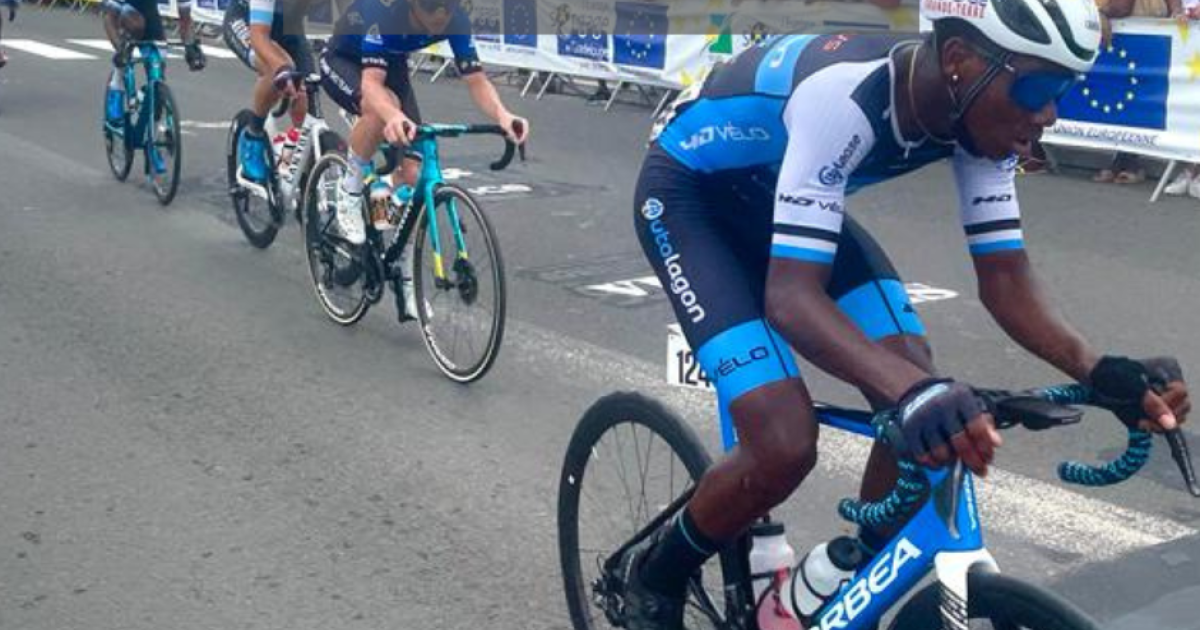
x=646 y=609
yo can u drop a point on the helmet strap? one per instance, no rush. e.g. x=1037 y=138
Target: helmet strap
x=961 y=105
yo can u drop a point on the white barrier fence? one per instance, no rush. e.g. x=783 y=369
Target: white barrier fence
x=664 y=44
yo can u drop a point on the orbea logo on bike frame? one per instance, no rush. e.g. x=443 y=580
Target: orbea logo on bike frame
x=652 y=210
x=858 y=595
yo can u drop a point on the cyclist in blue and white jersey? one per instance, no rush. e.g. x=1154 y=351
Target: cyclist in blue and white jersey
x=140 y=20
x=741 y=210
x=268 y=36
x=365 y=71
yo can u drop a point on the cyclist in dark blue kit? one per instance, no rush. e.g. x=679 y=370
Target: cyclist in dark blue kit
x=365 y=71
x=741 y=210
x=268 y=36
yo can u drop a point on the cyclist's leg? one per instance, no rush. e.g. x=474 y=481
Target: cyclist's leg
x=402 y=87
x=870 y=292
x=716 y=290
x=341 y=77
x=152 y=29
x=120 y=22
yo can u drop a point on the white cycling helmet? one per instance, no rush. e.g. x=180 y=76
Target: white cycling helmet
x=1064 y=32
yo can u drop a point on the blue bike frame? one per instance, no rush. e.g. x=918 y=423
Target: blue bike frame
x=945 y=535
x=428 y=182
x=152 y=61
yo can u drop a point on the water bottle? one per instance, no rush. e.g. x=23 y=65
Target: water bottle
x=114 y=99
x=290 y=138
x=771 y=561
x=820 y=576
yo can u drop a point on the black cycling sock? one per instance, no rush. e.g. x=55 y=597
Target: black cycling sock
x=255 y=128
x=680 y=550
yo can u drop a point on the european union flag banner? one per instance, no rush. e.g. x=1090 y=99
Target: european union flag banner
x=640 y=38
x=1128 y=86
x=521 y=23
x=1142 y=97
x=583 y=29
x=485 y=19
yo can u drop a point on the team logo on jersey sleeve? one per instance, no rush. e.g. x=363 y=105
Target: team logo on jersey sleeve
x=835 y=173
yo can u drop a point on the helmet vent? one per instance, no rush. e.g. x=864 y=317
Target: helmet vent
x=1019 y=18
x=1064 y=29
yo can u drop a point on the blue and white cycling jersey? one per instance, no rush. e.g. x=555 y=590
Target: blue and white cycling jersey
x=811 y=117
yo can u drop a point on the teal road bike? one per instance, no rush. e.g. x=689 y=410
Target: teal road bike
x=441 y=259
x=632 y=464
x=149 y=122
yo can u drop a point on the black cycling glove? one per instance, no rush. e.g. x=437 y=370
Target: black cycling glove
x=194 y=56
x=933 y=411
x=285 y=76
x=1120 y=383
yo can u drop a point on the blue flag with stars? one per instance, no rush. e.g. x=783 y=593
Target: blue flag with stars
x=521 y=23
x=1127 y=87
x=640 y=38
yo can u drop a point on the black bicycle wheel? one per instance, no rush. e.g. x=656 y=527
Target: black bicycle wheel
x=257 y=213
x=462 y=317
x=116 y=146
x=613 y=453
x=996 y=601
x=334 y=269
x=167 y=140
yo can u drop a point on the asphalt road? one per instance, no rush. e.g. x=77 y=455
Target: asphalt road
x=187 y=442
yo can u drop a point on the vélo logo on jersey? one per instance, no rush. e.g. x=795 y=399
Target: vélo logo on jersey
x=726 y=133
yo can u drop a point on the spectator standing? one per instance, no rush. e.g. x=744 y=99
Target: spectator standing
x=1126 y=168
x=11 y=5
x=1188 y=180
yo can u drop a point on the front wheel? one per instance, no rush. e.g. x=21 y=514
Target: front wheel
x=461 y=308
x=256 y=211
x=629 y=460
x=337 y=275
x=164 y=149
x=998 y=602
x=116 y=145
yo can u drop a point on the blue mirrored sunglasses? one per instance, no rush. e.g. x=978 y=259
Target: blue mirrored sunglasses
x=1034 y=90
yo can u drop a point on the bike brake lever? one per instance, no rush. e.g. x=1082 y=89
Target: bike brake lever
x=1183 y=459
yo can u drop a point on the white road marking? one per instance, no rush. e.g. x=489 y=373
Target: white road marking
x=642 y=286
x=196 y=124
x=105 y=45
x=45 y=50
x=219 y=53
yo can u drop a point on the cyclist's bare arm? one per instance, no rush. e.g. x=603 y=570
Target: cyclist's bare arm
x=1016 y=299
x=186 y=25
